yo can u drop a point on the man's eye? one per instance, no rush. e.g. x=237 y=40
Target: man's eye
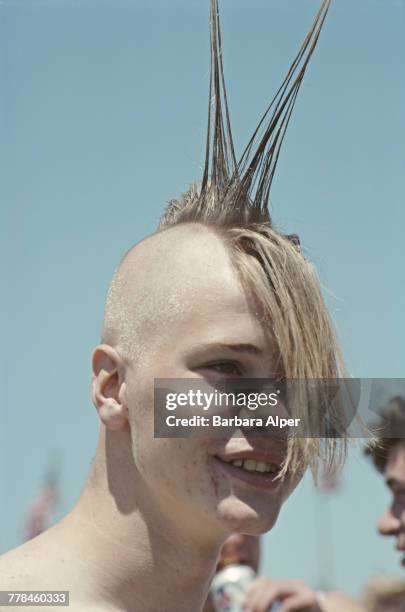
x=225 y=367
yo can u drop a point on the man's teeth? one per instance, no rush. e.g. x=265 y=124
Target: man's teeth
x=251 y=465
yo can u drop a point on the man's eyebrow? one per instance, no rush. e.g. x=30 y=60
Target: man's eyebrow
x=243 y=347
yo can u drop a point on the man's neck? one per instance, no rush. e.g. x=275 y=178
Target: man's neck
x=151 y=568
x=137 y=557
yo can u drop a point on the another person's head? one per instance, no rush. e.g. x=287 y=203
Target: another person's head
x=388 y=455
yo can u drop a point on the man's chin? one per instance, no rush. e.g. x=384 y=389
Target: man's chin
x=252 y=519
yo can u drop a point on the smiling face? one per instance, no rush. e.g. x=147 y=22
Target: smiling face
x=392 y=522
x=199 y=323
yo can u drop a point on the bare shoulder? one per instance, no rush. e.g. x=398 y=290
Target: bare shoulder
x=37 y=564
x=17 y=568
x=48 y=563
x=15 y=572
x=31 y=567
x=336 y=601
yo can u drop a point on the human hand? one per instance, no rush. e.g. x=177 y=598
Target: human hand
x=294 y=595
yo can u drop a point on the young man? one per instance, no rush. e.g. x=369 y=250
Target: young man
x=389 y=458
x=216 y=291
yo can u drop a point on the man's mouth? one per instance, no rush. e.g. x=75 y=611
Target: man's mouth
x=253 y=471
x=251 y=465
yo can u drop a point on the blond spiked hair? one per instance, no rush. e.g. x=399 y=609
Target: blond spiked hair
x=233 y=200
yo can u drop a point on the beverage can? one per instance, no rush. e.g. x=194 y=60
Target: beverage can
x=228 y=587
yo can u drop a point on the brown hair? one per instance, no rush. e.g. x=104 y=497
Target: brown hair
x=391 y=432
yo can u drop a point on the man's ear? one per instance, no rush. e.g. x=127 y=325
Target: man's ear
x=108 y=387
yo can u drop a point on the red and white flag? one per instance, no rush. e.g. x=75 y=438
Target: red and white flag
x=41 y=509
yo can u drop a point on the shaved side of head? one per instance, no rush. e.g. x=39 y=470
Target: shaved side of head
x=150 y=287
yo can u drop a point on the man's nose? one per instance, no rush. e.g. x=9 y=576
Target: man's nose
x=389 y=524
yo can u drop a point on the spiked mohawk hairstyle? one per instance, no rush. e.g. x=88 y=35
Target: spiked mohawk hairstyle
x=234 y=200
x=237 y=192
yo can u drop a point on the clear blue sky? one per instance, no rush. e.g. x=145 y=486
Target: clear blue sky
x=103 y=116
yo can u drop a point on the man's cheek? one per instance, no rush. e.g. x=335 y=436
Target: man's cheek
x=157 y=461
